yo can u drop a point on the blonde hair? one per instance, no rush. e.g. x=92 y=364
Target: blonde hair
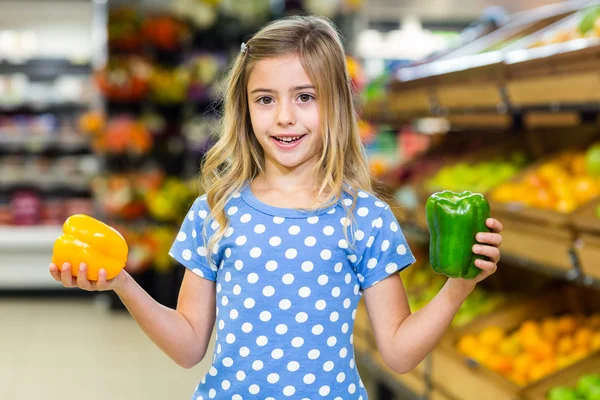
x=237 y=157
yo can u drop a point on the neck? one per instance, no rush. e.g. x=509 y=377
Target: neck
x=286 y=179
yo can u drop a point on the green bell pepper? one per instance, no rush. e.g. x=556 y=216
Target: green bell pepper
x=454 y=219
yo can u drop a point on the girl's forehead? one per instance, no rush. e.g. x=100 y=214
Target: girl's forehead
x=283 y=71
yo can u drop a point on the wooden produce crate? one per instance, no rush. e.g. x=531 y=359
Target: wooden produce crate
x=465 y=379
x=587 y=245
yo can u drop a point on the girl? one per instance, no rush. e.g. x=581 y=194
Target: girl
x=288 y=237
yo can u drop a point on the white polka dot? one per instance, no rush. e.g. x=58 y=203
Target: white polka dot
x=331 y=341
x=307 y=266
x=228 y=361
x=370 y=241
x=249 y=302
x=281 y=329
x=240 y=241
x=224 y=301
x=341 y=377
x=345 y=327
x=323 y=279
x=401 y=250
x=191 y=215
x=262 y=340
x=255 y=252
x=238 y=397
x=233 y=314
x=394 y=227
x=228 y=232
x=328 y=230
x=309 y=378
x=352 y=388
x=201 y=251
x=225 y=384
x=363 y=211
x=278 y=220
x=236 y=195
x=277 y=354
x=385 y=245
x=290 y=254
x=230 y=338
x=335 y=292
x=334 y=316
x=285 y=304
x=239 y=264
x=228 y=252
x=338 y=267
x=186 y=254
x=297 y=342
x=202 y=214
x=324 y=390
x=212 y=393
x=240 y=375
x=265 y=316
x=252 y=277
x=244 y=351
x=181 y=236
x=352 y=362
x=271 y=265
x=232 y=211
x=379 y=204
x=198 y=272
x=254 y=389
x=372 y=263
x=356 y=289
x=310 y=241
x=362 y=194
x=317 y=329
x=391 y=267
x=301 y=317
x=377 y=223
x=348 y=278
x=268 y=291
x=326 y=254
x=257 y=365
x=247 y=327
x=275 y=241
x=260 y=228
x=289 y=390
x=294 y=230
x=359 y=235
x=345 y=221
x=237 y=289
x=273 y=378
x=288 y=279
x=215 y=225
x=343 y=244
x=304 y=292
x=320 y=305
x=347 y=202
x=313 y=220
x=343 y=352
x=314 y=354
x=332 y=211
x=246 y=218
x=212 y=371
x=293 y=366
x=328 y=366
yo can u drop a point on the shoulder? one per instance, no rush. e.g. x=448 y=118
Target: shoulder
x=366 y=201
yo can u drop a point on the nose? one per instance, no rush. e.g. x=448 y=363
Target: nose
x=285 y=114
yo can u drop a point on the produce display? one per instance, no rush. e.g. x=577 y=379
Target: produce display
x=479 y=176
x=587 y=388
x=536 y=348
x=454 y=219
x=587 y=27
x=86 y=239
x=561 y=184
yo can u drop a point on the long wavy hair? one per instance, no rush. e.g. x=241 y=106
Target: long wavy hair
x=237 y=157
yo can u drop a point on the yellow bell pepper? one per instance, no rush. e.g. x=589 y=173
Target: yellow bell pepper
x=87 y=240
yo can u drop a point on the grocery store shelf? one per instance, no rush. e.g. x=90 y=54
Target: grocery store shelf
x=30 y=238
x=45 y=69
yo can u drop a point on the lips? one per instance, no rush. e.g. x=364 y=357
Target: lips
x=287 y=142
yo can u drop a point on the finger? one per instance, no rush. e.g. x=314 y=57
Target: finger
x=54 y=272
x=101 y=283
x=82 y=280
x=65 y=275
x=493 y=253
x=494 y=239
x=487 y=266
x=494 y=225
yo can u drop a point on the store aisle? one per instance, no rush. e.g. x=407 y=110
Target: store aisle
x=72 y=349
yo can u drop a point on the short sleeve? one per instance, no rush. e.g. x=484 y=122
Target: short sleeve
x=189 y=247
x=386 y=251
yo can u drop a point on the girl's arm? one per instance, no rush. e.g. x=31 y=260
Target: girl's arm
x=183 y=334
x=404 y=339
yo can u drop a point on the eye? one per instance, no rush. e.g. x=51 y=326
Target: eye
x=265 y=100
x=305 y=98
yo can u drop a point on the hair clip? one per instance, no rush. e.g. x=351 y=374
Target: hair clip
x=243 y=47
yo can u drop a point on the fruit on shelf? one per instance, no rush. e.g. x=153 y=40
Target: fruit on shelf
x=588 y=27
x=124 y=24
x=123 y=134
x=87 y=240
x=454 y=219
x=165 y=32
x=169 y=85
x=592 y=160
x=536 y=348
x=587 y=388
x=124 y=79
x=478 y=177
x=561 y=184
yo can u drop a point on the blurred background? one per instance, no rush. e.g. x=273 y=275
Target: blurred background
x=107 y=108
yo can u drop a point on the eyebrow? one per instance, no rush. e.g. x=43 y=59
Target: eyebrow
x=295 y=89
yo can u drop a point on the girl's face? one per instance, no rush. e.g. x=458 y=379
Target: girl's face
x=284 y=113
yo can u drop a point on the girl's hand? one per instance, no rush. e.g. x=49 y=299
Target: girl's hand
x=64 y=276
x=494 y=240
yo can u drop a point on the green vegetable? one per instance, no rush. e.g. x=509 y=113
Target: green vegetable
x=588 y=386
x=562 y=393
x=454 y=219
x=588 y=20
x=592 y=159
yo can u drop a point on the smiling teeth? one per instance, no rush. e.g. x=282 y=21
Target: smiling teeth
x=289 y=139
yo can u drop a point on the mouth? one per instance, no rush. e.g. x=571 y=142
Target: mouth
x=287 y=139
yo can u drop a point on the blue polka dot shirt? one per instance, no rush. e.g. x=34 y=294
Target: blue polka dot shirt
x=287 y=286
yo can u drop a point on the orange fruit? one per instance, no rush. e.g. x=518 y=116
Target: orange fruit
x=468 y=344
x=491 y=336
